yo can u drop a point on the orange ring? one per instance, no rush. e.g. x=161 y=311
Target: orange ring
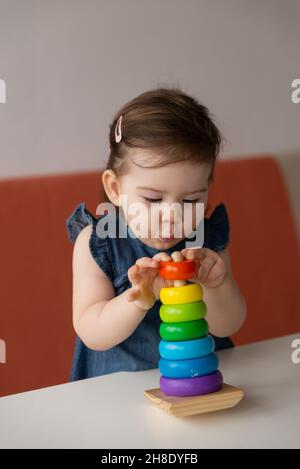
x=182 y=270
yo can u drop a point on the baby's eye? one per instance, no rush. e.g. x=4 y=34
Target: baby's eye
x=191 y=201
x=183 y=200
x=152 y=200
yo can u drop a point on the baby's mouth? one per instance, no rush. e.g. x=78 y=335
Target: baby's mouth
x=167 y=238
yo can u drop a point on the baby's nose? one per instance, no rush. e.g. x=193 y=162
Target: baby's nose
x=171 y=213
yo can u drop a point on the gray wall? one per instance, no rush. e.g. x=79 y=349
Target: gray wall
x=70 y=64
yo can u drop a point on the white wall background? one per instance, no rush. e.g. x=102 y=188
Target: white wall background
x=70 y=64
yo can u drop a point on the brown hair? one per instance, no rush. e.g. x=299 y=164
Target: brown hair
x=172 y=125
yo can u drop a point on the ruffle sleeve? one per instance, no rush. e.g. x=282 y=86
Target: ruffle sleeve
x=99 y=247
x=79 y=218
x=217 y=229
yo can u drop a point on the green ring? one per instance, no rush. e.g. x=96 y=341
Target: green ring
x=183 y=330
x=183 y=312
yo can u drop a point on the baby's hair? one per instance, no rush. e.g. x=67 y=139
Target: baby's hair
x=170 y=124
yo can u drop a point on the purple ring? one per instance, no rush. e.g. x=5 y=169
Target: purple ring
x=196 y=386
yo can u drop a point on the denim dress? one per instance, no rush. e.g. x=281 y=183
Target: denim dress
x=114 y=255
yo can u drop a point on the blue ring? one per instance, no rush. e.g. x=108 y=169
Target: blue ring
x=186 y=349
x=189 y=368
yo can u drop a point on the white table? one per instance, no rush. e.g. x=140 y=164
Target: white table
x=112 y=412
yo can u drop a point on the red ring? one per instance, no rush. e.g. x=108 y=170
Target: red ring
x=182 y=270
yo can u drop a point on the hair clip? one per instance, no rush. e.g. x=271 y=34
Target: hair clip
x=118 y=130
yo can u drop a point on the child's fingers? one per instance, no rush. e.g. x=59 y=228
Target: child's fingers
x=147 y=262
x=206 y=267
x=133 y=274
x=195 y=254
x=135 y=271
x=162 y=256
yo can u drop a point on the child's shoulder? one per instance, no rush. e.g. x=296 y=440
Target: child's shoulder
x=83 y=237
x=79 y=219
x=83 y=261
x=81 y=229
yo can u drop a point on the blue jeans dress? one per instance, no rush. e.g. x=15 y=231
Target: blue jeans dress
x=114 y=255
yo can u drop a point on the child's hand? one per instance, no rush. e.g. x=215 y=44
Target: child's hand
x=146 y=282
x=211 y=269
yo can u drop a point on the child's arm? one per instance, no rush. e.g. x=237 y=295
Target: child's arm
x=101 y=319
x=226 y=306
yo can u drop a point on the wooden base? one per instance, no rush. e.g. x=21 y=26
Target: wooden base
x=227 y=397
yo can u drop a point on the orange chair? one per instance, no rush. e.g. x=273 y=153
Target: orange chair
x=264 y=246
x=36 y=261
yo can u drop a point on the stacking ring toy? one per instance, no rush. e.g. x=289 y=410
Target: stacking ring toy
x=183 y=330
x=185 y=294
x=187 y=349
x=183 y=312
x=189 y=368
x=192 y=386
x=182 y=270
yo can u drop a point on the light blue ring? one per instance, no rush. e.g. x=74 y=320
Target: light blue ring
x=189 y=368
x=187 y=349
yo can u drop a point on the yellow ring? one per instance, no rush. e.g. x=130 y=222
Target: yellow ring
x=178 y=295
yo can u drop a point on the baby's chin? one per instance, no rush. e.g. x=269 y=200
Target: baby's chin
x=162 y=244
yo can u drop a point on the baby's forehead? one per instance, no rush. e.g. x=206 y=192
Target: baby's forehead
x=181 y=175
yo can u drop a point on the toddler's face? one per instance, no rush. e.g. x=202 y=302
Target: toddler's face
x=155 y=190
